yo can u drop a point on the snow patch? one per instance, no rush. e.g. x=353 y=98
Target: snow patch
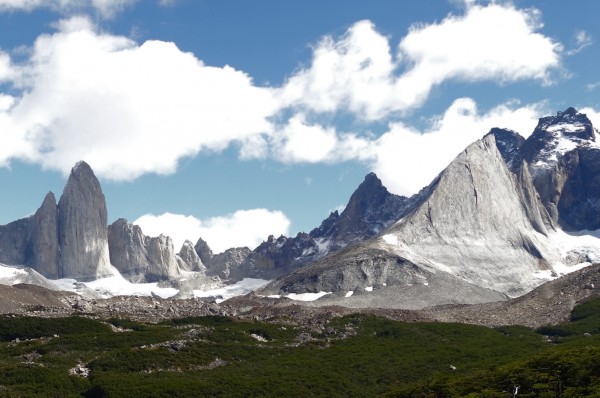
x=323 y=245
x=390 y=239
x=580 y=248
x=565 y=145
x=350 y=293
x=565 y=127
x=114 y=285
x=244 y=286
x=9 y=272
x=369 y=288
x=307 y=296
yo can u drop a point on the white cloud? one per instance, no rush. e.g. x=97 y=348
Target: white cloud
x=477 y=46
x=352 y=73
x=106 y=8
x=582 y=40
x=300 y=142
x=358 y=72
x=592 y=86
x=593 y=115
x=407 y=159
x=242 y=228
x=6 y=69
x=127 y=109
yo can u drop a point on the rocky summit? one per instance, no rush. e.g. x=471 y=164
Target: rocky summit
x=82 y=221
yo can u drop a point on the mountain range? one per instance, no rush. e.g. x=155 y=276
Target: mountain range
x=507 y=215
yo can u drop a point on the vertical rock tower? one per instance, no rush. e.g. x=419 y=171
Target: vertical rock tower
x=82 y=227
x=43 y=253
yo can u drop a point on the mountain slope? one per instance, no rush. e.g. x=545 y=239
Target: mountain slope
x=486 y=220
x=370 y=209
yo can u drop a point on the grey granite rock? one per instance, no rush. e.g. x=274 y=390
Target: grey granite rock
x=190 y=261
x=43 y=248
x=227 y=263
x=140 y=258
x=14 y=239
x=82 y=227
x=203 y=251
x=474 y=223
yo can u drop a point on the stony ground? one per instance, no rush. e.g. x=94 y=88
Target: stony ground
x=548 y=304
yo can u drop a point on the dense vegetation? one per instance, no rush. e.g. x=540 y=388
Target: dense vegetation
x=351 y=356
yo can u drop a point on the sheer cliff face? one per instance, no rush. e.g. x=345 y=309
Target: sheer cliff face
x=82 y=227
x=481 y=223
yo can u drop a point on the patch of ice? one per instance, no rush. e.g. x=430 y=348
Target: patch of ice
x=350 y=293
x=115 y=285
x=9 y=272
x=308 y=251
x=390 y=239
x=564 y=145
x=584 y=243
x=275 y=296
x=306 y=296
x=565 y=127
x=323 y=245
x=369 y=288
x=244 y=286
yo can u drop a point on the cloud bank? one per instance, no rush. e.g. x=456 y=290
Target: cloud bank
x=129 y=109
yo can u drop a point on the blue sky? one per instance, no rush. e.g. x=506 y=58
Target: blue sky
x=234 y=120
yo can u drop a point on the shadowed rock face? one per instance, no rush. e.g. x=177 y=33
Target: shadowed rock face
x=509 y=144
x=13 y=241
x=226 y=264
x=203 y=250
x=82 y=227
x=43 y=250
x=564 y=161
x=370 y=209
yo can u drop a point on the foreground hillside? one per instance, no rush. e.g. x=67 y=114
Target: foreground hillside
x=354 y=355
